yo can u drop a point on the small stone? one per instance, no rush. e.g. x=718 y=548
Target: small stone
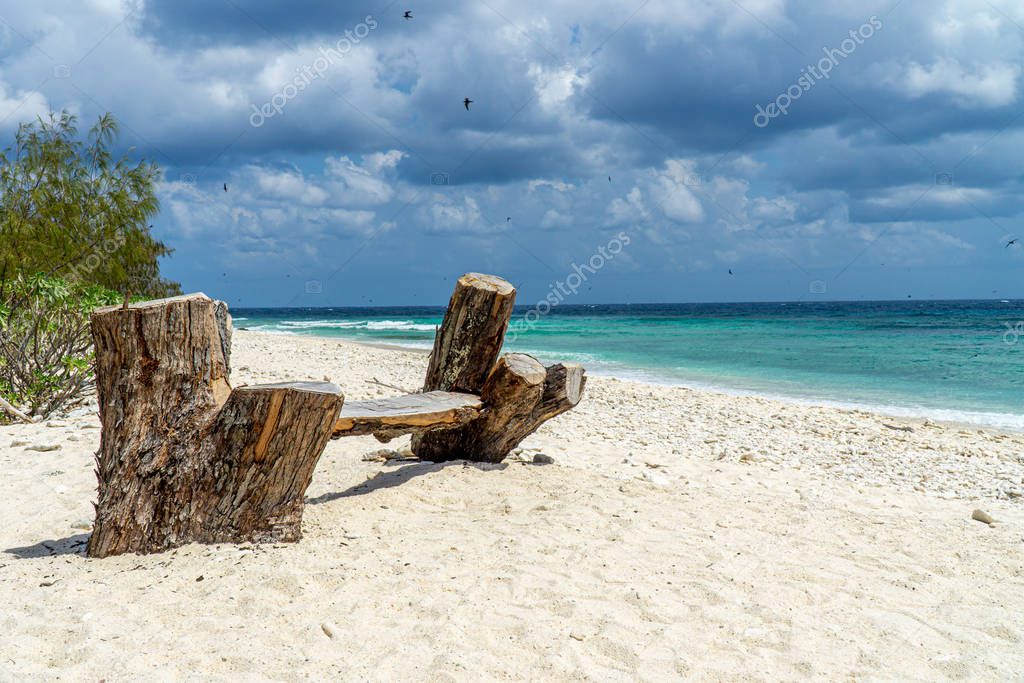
x=82 y=524
x=655 y=478
x=199 y=578
x=328 y=629
x=983 y=517
x=43 y=447
x=18 y=442
x=541 y=459
x=576 y=635
x=57 y=424
x=73 y=438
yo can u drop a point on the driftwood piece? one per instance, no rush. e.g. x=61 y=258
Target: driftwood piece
x=520 y=395
x=183 y=458
x=8 y=408
x=412 y=413
x=471 y=335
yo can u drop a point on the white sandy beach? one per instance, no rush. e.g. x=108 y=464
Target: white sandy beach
x=679 y=533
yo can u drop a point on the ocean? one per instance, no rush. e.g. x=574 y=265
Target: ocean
x=947 y=360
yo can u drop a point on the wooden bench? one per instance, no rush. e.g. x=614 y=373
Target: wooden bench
x=184 y=457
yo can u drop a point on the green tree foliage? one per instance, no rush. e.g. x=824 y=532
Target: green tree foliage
x=70 y=209
x=74 y=235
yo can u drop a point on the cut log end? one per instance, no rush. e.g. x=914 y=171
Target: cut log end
x=491 y=283
x=563 y=389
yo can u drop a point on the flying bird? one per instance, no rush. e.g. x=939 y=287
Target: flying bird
x=225 y=187
x=730 y=271
x=508 y=219
x=1011 y=243
x=408 y=14
x=609 y=179
x=467 y=102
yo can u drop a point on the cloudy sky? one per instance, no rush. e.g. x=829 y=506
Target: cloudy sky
x=839 y=150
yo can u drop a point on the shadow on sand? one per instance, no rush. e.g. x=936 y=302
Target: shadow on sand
x=400 y=473
x=398 y=476
x=71 y=545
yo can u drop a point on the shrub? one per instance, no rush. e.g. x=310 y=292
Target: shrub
x=45 y=342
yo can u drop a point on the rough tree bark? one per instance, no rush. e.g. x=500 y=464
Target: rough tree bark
x=470 y=338
x=520 y=395
x=183 y=458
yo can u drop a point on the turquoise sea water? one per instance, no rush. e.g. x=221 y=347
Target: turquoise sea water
x=952 y=360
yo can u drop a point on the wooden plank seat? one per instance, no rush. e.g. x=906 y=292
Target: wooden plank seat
x=407 y=414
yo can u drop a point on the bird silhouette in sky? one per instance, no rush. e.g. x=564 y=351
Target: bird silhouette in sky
x=466 y=102
x=508 y=219
x=1011 y=243
x=730 y=271
x=225 y=187
x=609 y=179
x=408 y=14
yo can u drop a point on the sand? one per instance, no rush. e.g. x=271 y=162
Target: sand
x=679 y=533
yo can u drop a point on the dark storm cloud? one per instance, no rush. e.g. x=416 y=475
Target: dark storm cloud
x=654 y=117
x=179 y=23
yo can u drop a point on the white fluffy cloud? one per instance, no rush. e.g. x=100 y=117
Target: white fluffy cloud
x=986 y=85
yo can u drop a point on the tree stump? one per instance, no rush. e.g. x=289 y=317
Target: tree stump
x=518 y=393
x=471 y=335
x=183 y=457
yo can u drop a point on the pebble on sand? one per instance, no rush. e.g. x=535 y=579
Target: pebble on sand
x=656 y=478
x=328 y=629
x=43 y=447
x=541 y=459
x=983 y=517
